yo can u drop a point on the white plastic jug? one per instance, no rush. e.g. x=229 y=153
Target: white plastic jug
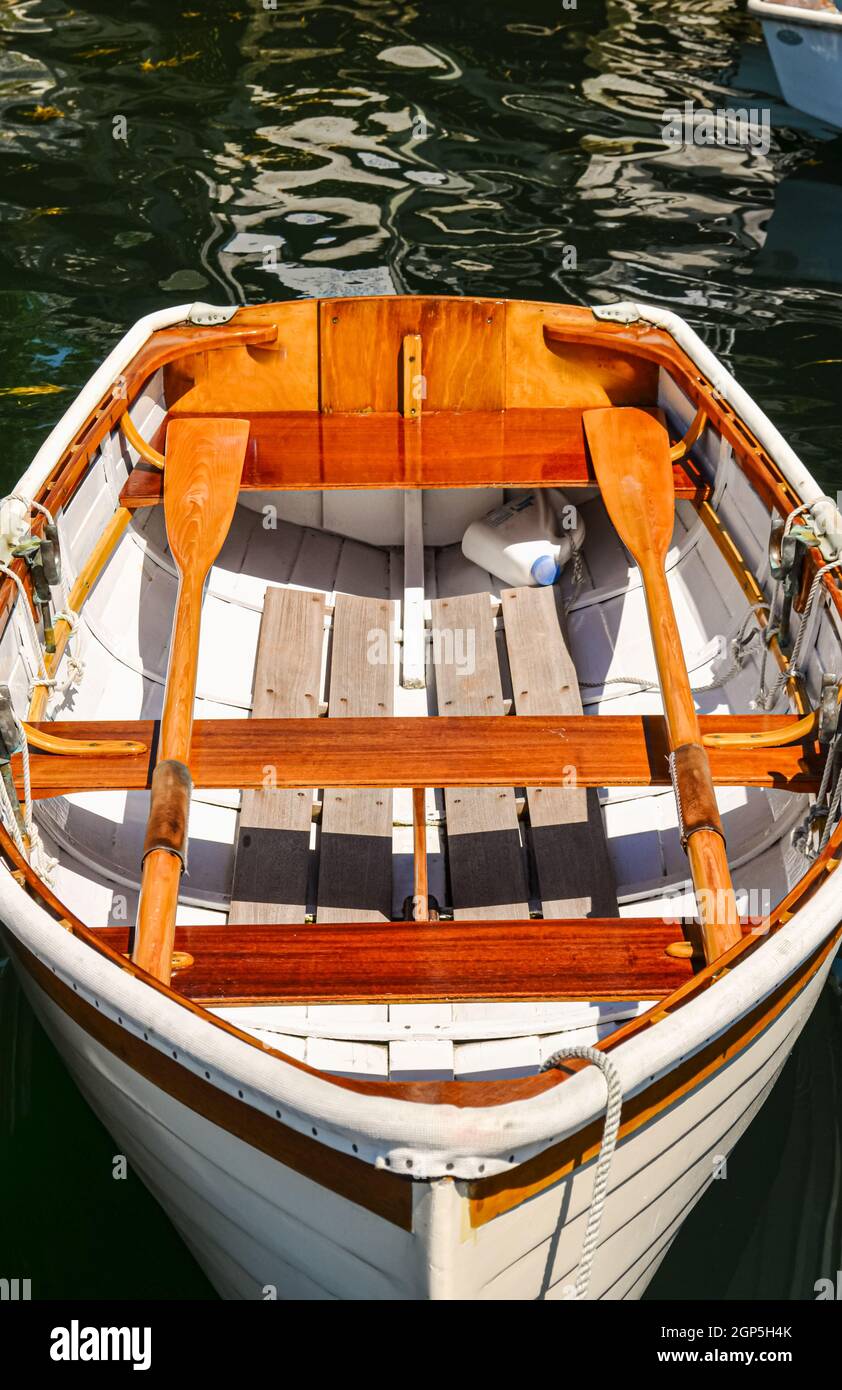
x=528 y=540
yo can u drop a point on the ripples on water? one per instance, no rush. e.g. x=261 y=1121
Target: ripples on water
x=436 y=147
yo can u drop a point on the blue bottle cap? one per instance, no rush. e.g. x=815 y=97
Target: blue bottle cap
x=545 y=570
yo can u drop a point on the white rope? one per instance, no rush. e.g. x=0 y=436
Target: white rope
x=614 y=1105
x=42 y=862
x=10 y=818
x=738 y=644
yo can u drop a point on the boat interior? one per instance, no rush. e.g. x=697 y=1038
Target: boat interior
x=484 y=857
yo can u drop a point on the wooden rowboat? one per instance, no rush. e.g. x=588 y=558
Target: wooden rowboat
x=501 y=908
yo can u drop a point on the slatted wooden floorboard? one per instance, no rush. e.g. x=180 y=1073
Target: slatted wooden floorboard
x=273 y=842
x=575 y=877
x=486 y=859
x=355 y=849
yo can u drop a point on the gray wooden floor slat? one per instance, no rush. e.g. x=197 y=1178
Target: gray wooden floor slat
x=355 y=849
x=575 y=878
x=487 y=870
x=273 y=842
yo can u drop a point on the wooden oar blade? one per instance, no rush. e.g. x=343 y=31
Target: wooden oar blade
x=630 y=452
x=202 y=473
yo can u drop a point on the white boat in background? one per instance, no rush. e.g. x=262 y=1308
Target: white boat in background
x=388 y=1038
x=804 y=38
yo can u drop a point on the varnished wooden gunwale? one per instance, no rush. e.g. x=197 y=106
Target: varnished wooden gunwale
x=357 y=962
x=448 y=751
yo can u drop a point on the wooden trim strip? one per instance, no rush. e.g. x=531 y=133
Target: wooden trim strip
x=386 y=1194
x=450 y=751
x=491 y=1197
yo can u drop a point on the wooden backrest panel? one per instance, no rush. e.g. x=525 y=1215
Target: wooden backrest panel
x=463 y=346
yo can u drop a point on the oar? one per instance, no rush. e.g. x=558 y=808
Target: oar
x=631 y=457
x=204 y=464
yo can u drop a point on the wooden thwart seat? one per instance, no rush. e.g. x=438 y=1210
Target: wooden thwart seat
x=395 y=962
x=474 y=448
x=614 y=750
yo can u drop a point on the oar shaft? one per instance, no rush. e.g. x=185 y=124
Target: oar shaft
x=679 y=707
x=694 y=789
x=164 y=861
x=162 y=869
x=204 y=465
x=182 y=670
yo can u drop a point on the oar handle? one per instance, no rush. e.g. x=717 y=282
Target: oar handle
x=716 y=903
x=164 y=861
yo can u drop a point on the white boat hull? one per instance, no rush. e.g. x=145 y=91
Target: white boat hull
x=260 y=1230
x=806 y=49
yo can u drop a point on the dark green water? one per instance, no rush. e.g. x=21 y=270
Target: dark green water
x=445 y=147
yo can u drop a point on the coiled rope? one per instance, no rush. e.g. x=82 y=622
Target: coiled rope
x=739 y=643
x=614 y=1105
